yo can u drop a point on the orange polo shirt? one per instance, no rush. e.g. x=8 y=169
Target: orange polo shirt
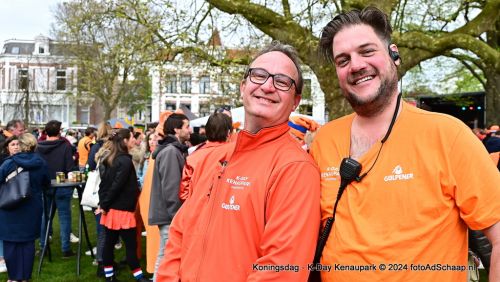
x=410 y=214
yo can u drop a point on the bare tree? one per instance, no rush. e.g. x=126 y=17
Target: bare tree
x=110 y=52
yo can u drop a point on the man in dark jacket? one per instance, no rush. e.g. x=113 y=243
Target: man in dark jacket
x=57 y=152
x=170 y=155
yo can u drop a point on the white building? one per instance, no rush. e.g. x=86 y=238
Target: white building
x=202 y=87
x=38 y=69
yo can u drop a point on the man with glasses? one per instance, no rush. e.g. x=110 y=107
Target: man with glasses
x=254 y=211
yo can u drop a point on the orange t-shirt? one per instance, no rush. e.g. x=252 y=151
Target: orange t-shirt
x=83 y=150
x=410 y=214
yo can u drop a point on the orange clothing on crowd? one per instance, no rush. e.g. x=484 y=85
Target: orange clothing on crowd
x=254 y=206
x=83 y=150
x=118 y=219
x=7 y=133
x=432 y=179
x=152 y=232
x=191 y=166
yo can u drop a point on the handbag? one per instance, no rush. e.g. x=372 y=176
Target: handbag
x=15 y=189
x=90 y=196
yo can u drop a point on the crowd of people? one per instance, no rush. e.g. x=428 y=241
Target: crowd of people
x=355 y=196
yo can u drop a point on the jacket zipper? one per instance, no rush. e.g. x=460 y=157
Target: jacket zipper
x=224 y=164
x=219 y=176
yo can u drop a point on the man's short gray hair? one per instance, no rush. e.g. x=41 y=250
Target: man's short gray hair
x=13 y=124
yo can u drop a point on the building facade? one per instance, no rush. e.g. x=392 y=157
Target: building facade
x=35 y=75
x=202 y=87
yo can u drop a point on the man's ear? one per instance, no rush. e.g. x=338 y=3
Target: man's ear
x=296 y=101
x=394 y=54
x=242 y=85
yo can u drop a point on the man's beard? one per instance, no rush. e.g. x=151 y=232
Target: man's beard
x=375 y=105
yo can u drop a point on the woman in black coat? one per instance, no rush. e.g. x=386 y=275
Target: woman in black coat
x=118 y=194
x=20 y=226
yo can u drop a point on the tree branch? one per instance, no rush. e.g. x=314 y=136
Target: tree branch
x=286 y=9
x=483 y=22
x=439 y=44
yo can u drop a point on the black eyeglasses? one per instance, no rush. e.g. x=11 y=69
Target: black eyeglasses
x=280 y=81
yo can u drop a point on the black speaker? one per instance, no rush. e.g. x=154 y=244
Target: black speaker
x=394 y=55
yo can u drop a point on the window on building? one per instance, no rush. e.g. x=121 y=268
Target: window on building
x=84 y=115
x=61 y=80
x=170 y=106
x=306 y=90
x=185 y=84
x=204 y=110
x=22 y=79
x=171 y=84
x=41 y=50
x=15 y=50
x=205 y=84
x=226 y=88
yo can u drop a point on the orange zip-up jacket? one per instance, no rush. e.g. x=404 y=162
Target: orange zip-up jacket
x=191 y=167
x=253 y=216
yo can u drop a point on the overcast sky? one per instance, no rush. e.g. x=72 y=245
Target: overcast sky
x=25 y=19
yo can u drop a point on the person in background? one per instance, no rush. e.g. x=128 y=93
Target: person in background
x=11 y=147
x=151 y=127
x=218 y=131
x=118 y=193
x=170 y=156
x=103 y=132
x=14 y=127
x=148 y=144
x=195 y=139
x=415 y=194
x=84 y=147
x=58 y=154
x=137 y=152
x=70 y=135
x=153 y=234
x=254 y=209
x=20 y=226
x=202 y=131
x=35 y=132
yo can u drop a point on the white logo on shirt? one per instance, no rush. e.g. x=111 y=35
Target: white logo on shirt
x=397 y=170
x=330 y=173
x=239 y=182
x=231 y=206
x=398 y=175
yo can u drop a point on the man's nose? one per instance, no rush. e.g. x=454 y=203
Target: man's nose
x=357 y=63
x=268 y=86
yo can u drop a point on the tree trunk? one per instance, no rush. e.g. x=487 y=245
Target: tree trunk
x=27 y=107
x=107 y=112
x=492 y=97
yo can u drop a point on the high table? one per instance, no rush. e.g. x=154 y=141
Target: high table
x=65 y=185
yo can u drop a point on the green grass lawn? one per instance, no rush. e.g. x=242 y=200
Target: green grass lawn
x=64 y=270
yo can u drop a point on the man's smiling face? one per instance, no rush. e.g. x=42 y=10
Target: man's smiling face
x=367 y=75
x=265 y=105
